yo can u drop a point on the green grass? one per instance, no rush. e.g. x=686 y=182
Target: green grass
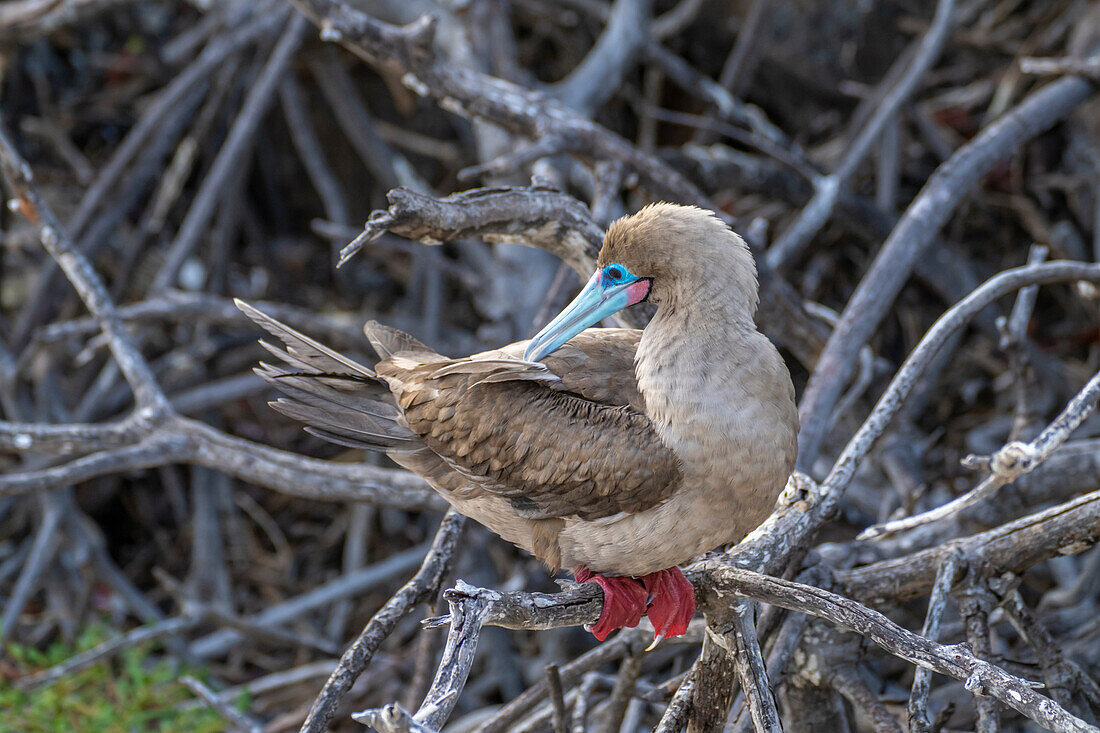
x=133 y=691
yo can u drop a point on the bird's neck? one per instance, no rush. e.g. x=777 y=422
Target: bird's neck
x=691 y=366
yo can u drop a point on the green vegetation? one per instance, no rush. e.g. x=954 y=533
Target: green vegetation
x=130 y=692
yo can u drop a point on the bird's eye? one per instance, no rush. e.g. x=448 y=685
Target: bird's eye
x=615 y=273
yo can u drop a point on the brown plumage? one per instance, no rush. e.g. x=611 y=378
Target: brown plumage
x=623 y=452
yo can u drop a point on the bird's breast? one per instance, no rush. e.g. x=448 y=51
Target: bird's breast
x=733 y=468
x=726 y=409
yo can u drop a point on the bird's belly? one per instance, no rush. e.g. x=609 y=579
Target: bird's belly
x=692 y=522
x=496 y=514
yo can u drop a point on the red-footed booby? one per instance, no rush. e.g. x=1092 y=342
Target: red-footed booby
x=618 y=453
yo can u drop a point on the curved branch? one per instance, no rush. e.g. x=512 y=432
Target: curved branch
x=1065 y=529
x=156 y=450
x=422 y=586
x=512 y=610
x=183 y=440
x=1006 y=465
x=910 y=238
x=28 y=201
x=789 y=529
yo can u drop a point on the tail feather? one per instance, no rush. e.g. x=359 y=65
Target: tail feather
x=355 y=429
x=303 y=351
x=343 y=440
x=305 y=365
x=325 y=391
x=337 y=398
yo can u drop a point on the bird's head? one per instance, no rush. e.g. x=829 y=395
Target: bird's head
x=669 y=255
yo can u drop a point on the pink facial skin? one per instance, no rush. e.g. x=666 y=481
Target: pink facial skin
x=637 y=291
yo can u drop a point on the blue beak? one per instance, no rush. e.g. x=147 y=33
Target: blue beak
x=594 y=303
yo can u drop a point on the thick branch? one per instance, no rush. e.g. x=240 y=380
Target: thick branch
x=1064 y=529
x=910 y=238
x=536 y=216
x=523 y=610
x=178 y=439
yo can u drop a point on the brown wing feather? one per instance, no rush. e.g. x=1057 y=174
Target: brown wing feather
x=598 y=364
x=577 y=445
x=568 y=437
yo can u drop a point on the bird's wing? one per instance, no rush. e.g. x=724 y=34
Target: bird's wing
x=554 y=444
x=597 y=364
x=565 y=438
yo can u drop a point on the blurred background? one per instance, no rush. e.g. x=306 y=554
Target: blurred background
x=197 y=152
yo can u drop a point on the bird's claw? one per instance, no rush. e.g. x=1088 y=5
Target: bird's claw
x=624 y=601
x=666 y=596
x=671 y=604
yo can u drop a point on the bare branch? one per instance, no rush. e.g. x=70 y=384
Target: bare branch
x=536 y=216
x=781 y=535
x=178 y=439
x=846 y=679
x=1064 y=529
x=922 y=679
x=557 y=698
x=238 y=720
x=1060 y=66
x=827 y=188
x=910 y=238
x=28 y=202
x=423 y=585
x=953 y=661
x=597 y=77
x=522 y=610
x=348 y=585
x=409 y=52
x=975 y=603
x=678 y=709
x=237 y=143
x=1006 y=465
x=751 y=670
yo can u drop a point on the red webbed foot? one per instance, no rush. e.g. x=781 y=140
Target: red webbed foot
x=624 y=601
x=671 y=604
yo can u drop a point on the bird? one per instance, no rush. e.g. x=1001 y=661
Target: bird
x=618 y=453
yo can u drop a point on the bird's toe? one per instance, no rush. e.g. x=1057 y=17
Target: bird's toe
x=624 y=601
x=671 y=602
